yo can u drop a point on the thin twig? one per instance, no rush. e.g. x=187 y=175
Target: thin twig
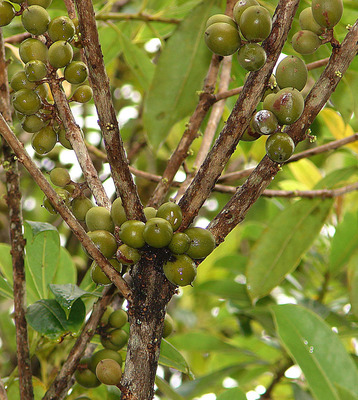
x=3 y=394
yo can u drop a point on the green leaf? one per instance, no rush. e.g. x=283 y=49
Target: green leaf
x=226 y=289
x=5 y=271
x=47 y=317
x=171 y=357
x=66 y=271
x=231 y=394
x=288 y=237
x=178 y=76
x=344 y=242
x=353 y=284
x=345 y=394
x=13 y=390
x=42 y=254
x=67 y=294
x=166 y=389
x=317 y=350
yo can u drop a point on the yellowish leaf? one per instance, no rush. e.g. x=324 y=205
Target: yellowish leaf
x=305 y=172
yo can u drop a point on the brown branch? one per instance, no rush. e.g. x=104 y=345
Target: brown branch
x=13 y=200
x=70 y=7
x=121 y=175
x=135 y=17
x=279 y=374
x=59 y=387
x=317 y=64
x=250 y=96
x=15 y=39
x=3 y=394
x=235 y=211
x=62 y=209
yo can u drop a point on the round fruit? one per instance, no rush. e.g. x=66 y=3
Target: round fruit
x=117 y=212
x=172 y=213
x=118 y=319
x=288 y=106
x=60 y=177
x=105 y=316
x=32 y=123
x=264 y=122
x=131 y=233
x=118 y=338
x=82 y=94
x=80 y=206
x=44 y=140
x=105 y=242
x=42 y=3
x=307 y=22
x=327 y=13
x=305 y=42
x=157 y=232
x=99 y=218
x=180 y=243
x=46 y=203
x=128 y=255
x=279 y=147
x=255 y=23
x=63 y=139
x=61 y=28
x=291 y=72
x=33 y=49
x=7 y=13
x=42 y=90
x=76 y=72
x=98 y=276
x=20 y=81
x=101 y=355
x=222 y=39
x=60 y=54
x=168 y=326
x=241 y=6
x=85 y=377
x=149 y=212
x=181 y=271
x=109 y=372
x=26 y=101
x=35 y=19
x=220 y=18
x=251 y=56
x=35 y=70
x=202 y=242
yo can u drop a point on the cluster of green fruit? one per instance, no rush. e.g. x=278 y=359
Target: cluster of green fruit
x=222 y=34
x=48 y=50
x=314 y=21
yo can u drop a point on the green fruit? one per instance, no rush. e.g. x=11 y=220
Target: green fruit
x=288 y=106
x=63 y=140
x=131 y=233
x=149 y=212
x=101 y=355
x=268 y=101
x=327 y=13
x=249 y=135
x=172 y=213
x=105 y=242
x=44 y=140
x=85 y=377
x=109 y=372
x=35 y=70
x=157 y=232
x=307 y=22
x=241 y=6
x=99 y=218
x=202 y=242
x=42 y=3
x=280 y=147
x=117 y=212
x=118 y=337
x=80 y=206
x=82 y=94
x=33 y=49
x=60 y=177
x=255 y=23
x=181 y=271
x=46 y=203
x=26 y=101
x=222 y=39
x=220 y=18
x=60 y=54
x=180 y=243
x=76 y=72
x=35 y=19
x=20 y=81
x=61 y=28
x=98 y=276
x=32 y=123
x=264 y=122
x=104 y=319
x=118 y=319
x=7 y=13
x=128 y=255
x=291 y=72
x=305 y=42
x=251 y=56
x=42 y=90
x=168 y=326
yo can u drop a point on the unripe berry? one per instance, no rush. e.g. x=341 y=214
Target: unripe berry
x=35 y=20
x=109 y=372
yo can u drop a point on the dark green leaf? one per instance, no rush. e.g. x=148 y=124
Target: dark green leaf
x=173 y=92
x=288 y=237
x=171 y=357
x=317 y=350
x=345 y=394
x=5 y=271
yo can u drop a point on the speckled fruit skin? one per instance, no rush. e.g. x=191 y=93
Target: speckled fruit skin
x=33 y=49
x=202 y=242
x=60 y=54
x=291 y=72
x=279 y=147
x=101 y=355
x=327 y=13
x=222 y=39
x=305 y=42
x=26 y=102
x=255 y=23
x=307 y=22
x=287 y=105
x=251 y=56
x=264 y=122
x=109 y=372
x=181 y=271
x=35 y=19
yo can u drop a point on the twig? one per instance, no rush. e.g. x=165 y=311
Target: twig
x=136 y=17
x=59 y=387
x=70 y=7
x=15 y=39
x=62 y=209
x=279 y=374
x=317 y=64
x=3 y=394
x=13 y=200
x=121 y=175
x=239 y=119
